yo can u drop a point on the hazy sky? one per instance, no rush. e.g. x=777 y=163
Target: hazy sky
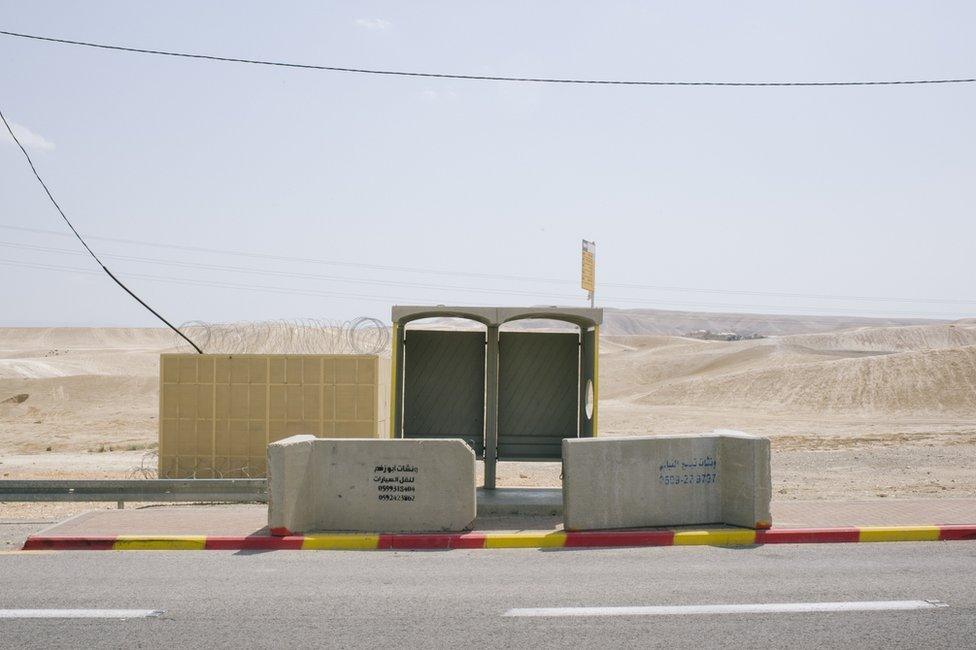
x=826 y=191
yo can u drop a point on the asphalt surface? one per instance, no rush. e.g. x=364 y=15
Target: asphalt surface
x=458 y=598
x=13 y=532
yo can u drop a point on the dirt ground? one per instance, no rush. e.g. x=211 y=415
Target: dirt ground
x=875 y=412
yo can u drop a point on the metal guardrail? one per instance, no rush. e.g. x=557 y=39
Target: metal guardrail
x=235 y=490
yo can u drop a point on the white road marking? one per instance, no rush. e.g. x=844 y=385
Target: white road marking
x=80 y=613
x=756 y=608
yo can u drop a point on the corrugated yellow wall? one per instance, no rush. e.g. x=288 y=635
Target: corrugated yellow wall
x=217 y=413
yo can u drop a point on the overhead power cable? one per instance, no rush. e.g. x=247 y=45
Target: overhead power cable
x=493 y=276
x=286 y=274
x=667 y=305
x=536 y=295
x=90 y=251
x=292 y=258
x=477 y=77
x=209 y=283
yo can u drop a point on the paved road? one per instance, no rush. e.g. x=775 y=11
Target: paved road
x=458 y=598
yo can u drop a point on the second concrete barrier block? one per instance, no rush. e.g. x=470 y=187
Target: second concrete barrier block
x=718 y=477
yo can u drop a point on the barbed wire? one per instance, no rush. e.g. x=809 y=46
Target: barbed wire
x=202 y=469
x=363 y=335
x=148 y=466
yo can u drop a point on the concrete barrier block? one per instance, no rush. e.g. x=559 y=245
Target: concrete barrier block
x=329 y=484
x=720 y=477
x=746 y=482
x=290 y=471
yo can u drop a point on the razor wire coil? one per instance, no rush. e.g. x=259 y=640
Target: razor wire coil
x=363 y=335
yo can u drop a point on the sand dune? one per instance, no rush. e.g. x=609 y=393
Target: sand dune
x=892 y=339
x=14 y=339
x=632 y=322
x=940 y=381
x=915 y=369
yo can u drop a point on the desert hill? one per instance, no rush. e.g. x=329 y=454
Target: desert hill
x=876 y=408
x=911 y=369
x=893 y=339
x=922 y=370
x=635 y=322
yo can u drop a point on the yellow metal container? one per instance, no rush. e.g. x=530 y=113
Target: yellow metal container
x=217 y=413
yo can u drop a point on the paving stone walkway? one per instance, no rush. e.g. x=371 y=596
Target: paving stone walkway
x=237 y=520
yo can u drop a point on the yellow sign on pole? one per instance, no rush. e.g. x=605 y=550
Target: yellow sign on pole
x=589 y=268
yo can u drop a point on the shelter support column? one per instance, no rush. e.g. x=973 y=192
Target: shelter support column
x=491 y=407
x=396 y=381
x=596 y=380
x=589 y=352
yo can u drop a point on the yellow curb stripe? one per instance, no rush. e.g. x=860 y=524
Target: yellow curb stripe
x=899 y=534
x=525 y=540
x=717 y=537
x=160 y=543
x=340 y=542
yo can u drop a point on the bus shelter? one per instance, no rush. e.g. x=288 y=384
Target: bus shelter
x=511 y=394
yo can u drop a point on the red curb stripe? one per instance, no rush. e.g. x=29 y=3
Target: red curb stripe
x=808 y=535
x=414 y=542
x=960 y=532
x=101 y=543
x=253 y=543
x=430 y=541
x=281 y=532
x=447 y=541
x=471 y=540
x=595 y=539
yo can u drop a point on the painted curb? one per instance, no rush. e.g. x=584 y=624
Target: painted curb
x=477 y=540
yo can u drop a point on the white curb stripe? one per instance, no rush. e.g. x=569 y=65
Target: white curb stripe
x=80 y=613
x=757 y=608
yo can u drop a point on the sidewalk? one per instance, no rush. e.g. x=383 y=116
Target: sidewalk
x=245 y=526
x=876 y=512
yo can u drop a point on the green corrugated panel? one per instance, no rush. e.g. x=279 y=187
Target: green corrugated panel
x=538 y=398
x=444 y=386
